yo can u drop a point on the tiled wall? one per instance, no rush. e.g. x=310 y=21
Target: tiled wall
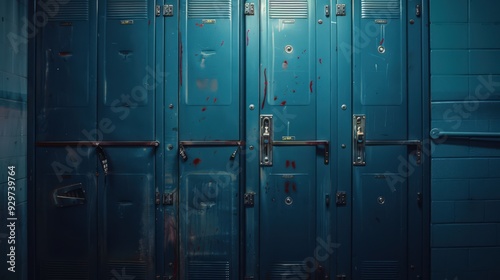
x=13 y=132
x=465 y=93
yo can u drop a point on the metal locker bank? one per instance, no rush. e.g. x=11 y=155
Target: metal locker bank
x=266 y=139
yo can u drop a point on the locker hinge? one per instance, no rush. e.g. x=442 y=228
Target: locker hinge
x=168 y=10
x=341 y=198
x=249 y=9
x=341 y=277
x=157 y=198
x=248 y=199
x=158 y=10
x=168 y=199
x=340 y=10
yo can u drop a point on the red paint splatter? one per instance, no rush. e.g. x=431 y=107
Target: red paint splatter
x=381 y=41
x=200 y=24
x=284 y=65
x=287 y=164
x=311 y=86
x=320 y=61
x=275 y=98
x=283 y=103
x=294 y=187
x=248 y=38
x=203 y=109
x=222 y=43
x=196 y=161
x=293 y=164
x=265 y=88
x=215 y=99
x=287 y=186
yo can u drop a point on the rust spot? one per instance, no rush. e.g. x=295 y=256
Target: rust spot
x=203 y=109
x=199 y=24
x=222 y=43
x=320 y=61
x=248 y=38
x=293 y=164
x=196 y=161
x=283 y=103
x=287 y=164
x=287 y=186
x=294 y=187
x=311 y=86
x=265 y=88
x=284 y=65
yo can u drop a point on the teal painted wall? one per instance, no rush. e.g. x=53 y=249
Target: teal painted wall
x=465 y=97
x=13 y=132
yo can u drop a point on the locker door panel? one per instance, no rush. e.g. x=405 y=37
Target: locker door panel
x=289 y=188
x=66 y=216
x=380 y=217
x=209 y=200
x=128 y=79
x=65 y=105
x=210 y=70
x=128 y=213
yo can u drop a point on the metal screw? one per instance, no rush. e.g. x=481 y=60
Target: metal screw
x=320 y=21
x=250 y=147
x=288 y=200
x=171 y=106
x=343 y=146
x=343 y=107
x=170 y=147
x=251 y=107
x=412 y=21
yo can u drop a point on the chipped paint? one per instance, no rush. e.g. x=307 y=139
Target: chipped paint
x=284 y=65
x=265 y=88
x=311 y=86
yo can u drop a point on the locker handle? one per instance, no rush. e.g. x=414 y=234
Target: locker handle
x=210 y=143
x=436 y=133
x=317 y=143
x=70 y=195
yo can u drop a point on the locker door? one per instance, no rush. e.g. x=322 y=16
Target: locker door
x=385 y=143
x=209 y=134
x=294 y=146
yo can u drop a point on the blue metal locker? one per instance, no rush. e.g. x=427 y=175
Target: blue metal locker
x=209 y=139
x=96 y=163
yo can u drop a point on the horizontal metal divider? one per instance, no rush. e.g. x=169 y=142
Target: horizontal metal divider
x=98 y=143
x=307 y=143
x=437 y=133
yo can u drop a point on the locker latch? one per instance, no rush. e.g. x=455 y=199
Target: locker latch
x=418 y=10
x=249 y=9
x=359 y=139
x=341 y=277
x=327 y=10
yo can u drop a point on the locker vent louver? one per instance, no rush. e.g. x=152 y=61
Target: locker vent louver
x=289 y=270
x=288 y=9
x=64 y=270
x=209 y=270
x=211 y=9
x=127 y=9
x=126 y=270
x=380 y=9
x=380 y=270
x=71 y=11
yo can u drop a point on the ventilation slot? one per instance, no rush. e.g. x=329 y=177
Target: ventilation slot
x=290 y=270
x=127 y=270
x=213 y=9
x=388 y=270
x=64 y=270
x=290 y=9
x=380 y=9
x=209 y=270
x=73 y=10
x=131 y=9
